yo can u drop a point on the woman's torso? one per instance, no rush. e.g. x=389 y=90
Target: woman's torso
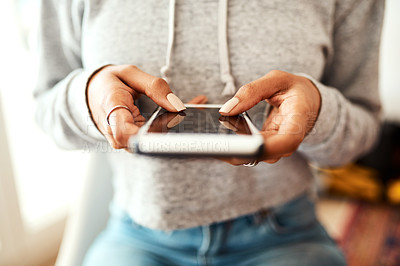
x=293 y=36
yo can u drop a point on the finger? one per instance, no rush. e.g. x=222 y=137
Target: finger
x=139 y=120
x=235 y=123
x=269 y=123
x=254 y=92
x=272 y=161
x=122 y=121
x=227 y=124
x=233 y=160
x=279 y=145
x=122 y=127
x=120 y=95
x=155 y=88
x=166 y=121
x=122 y=134
x=201 y=99
x=110 y=139
x=283 y=131
x=122 y=115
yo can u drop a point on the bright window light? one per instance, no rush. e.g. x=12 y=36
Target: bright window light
x=47 y=179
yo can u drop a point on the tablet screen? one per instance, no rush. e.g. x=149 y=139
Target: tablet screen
x=199 y=120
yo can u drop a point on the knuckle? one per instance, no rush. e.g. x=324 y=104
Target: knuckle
x=248 y=87
x=105 y=70
x=283 y=80
x=156 y=85
x=135 y=110
x=127 y=69
x=109 y=68
x=275 y=73
x=116 y=97
x=248 y=90
x=132 y=67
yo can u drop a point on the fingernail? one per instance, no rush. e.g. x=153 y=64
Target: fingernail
x=228 y=125
x=176 y=102
x=228 y=106
x=175 y=121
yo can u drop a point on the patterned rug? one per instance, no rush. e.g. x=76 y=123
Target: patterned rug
x=372 y=237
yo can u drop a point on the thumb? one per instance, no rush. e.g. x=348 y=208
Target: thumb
x=155 y=88
x=245 y=98
x=161 y=94
x=254 y=92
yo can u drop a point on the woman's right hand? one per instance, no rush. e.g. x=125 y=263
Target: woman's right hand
x=115 y=85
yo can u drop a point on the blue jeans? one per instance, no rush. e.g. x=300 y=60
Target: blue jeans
x=287 y=235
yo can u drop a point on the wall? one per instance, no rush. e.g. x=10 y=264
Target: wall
x=390 y=61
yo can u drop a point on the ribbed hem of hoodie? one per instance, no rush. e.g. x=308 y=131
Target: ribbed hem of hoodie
x=327 y=117
x=77 y=103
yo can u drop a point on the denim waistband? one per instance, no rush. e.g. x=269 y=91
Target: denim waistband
x=299 y=202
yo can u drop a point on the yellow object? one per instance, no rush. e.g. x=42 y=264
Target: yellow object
x=355 y=181
x=393 y=192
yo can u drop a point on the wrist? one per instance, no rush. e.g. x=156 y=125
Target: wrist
x=314 y=96
x=87 y=94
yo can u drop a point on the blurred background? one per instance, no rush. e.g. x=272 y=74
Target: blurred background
x=38 y=190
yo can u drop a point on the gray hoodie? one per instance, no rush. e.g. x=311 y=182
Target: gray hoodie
x=335 y=43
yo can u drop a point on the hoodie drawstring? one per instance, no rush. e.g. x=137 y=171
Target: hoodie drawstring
x=165 y=70
x=224 y=64
x=225 y=68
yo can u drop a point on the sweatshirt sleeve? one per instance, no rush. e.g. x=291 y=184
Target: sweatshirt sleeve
x=60 y=91
x=349 y=118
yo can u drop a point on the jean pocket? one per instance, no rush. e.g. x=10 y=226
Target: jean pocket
x=295 y=216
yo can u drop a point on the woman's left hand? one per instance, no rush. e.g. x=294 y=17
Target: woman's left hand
x=295 y=103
